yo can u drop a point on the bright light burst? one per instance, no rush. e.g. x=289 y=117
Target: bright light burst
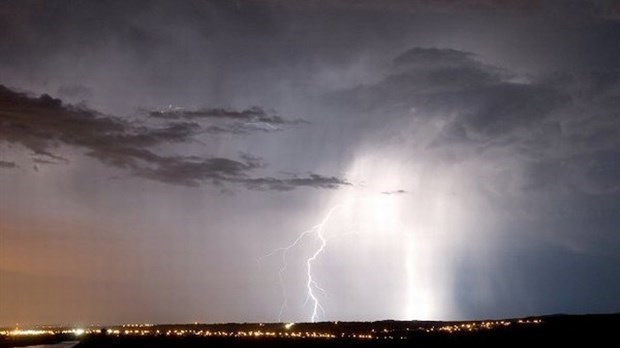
x=410 y=214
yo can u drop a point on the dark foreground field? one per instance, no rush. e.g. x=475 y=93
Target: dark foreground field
x=585 y=331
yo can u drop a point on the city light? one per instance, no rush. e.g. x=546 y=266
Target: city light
x=333 y=330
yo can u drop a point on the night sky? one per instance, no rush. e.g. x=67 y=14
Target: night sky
x=459 y=160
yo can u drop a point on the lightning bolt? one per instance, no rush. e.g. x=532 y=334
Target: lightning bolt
x=284 y=251
x=311 y=284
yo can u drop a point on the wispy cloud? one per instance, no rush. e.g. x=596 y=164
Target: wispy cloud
x=254 y=119
x=8 y=165
x=41 y=124
x=395 y=192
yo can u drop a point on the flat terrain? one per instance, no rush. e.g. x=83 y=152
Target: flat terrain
x=586 y=330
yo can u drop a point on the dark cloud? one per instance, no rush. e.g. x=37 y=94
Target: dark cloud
x=426 y=79
x=6 y=164
x=191 y=171
x=246 y=121
x=395 y=192
x=563 y=125
x=43 y=124
x=251 y=114
x=313 y=180
x=242 y=128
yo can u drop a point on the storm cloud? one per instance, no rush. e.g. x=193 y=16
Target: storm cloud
x=485 y=109
x=472 y=149
x=43 y=124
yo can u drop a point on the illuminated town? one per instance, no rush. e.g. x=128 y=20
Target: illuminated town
x=387 y=333
x=327 y=330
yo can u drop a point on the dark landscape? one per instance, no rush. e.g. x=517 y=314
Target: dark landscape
x=555 y=329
